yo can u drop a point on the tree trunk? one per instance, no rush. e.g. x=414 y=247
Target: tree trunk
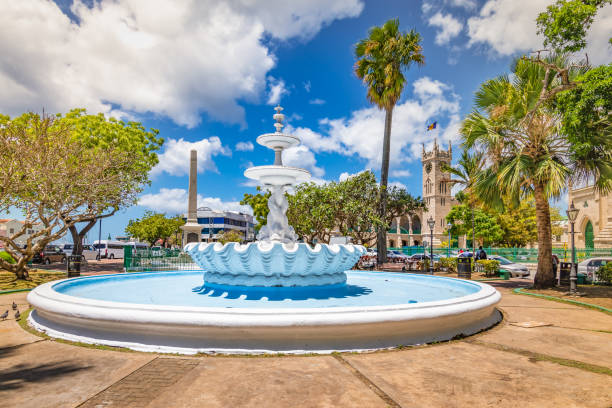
x=77 y=239
x=381 y=243
x=544 y=276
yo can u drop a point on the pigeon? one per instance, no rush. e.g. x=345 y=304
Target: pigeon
x=14 y=306
x=4 y=315
x=17 y=315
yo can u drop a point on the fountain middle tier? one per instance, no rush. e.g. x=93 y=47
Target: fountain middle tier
x=277 y=175
x=269 y=264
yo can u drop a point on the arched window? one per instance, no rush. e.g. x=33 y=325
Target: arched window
x=589 y=236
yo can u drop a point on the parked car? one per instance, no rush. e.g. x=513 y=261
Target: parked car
x=89 y=253
x=588 y=266
x=421 y=256
x=515 y=269
x=50 y=254
x=396 y=256
x=157 y=251
x=465 y=255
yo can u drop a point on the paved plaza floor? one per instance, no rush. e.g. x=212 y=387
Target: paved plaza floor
x=544 y=354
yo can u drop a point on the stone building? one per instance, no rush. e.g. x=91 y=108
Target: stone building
x=8 y=227
x=436 y=187
x=594 y=223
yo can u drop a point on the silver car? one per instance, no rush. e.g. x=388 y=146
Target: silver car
x=592 y=265
x=515 y=269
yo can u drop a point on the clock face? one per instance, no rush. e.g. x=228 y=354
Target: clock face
x=428 y=167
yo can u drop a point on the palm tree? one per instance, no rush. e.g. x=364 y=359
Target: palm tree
x=528 y=156
x=468 y=170
x=382 y=58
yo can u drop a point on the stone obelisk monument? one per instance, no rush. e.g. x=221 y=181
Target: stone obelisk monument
x=191 y=229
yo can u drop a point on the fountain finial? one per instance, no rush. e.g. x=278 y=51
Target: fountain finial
x=278 y=117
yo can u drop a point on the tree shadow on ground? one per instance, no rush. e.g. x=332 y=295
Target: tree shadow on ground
x=17 y=376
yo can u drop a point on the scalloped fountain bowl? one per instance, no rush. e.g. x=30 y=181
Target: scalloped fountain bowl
x=273 y=263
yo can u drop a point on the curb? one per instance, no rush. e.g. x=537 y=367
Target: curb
x=520 y=291
x=6 y=292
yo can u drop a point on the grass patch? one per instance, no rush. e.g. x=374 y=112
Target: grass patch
x=9 y=281
x=583 y=301
x=534 y=357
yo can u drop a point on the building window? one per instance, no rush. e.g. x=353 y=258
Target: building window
x=30 y=232
x=12 y=231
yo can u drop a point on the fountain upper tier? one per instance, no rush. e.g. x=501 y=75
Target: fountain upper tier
x=277 y=175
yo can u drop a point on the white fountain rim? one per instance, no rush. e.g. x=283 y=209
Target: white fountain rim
x=44 y=295
x=294 y=140
x=274 y=170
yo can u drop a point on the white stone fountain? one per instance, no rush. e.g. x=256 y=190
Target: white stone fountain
x=276 y=259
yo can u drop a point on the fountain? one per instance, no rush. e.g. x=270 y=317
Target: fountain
x=272 y=295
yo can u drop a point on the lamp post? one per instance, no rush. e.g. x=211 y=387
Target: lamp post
x=449 y=226
x=431 y=223
x=572 y=214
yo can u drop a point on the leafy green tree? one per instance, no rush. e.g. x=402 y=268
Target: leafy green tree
x=56 y=180
x=518 y=222
x=586 y=120
x=566 y=22
x=229 y=236
x=312 y=211
x=382 y=59
x=486 y=229
x=154 y=226
x=100 y=134
x=259 y=204
x=515 y=123
x=466 y=173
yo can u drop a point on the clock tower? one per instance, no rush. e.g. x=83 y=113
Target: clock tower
x=436 y=192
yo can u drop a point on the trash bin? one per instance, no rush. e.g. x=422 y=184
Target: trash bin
x=564 y=273
x=581 y=279
x=73 y=265
x=464 y=268
x=505 y=275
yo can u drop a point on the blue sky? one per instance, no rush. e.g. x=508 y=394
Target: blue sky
x=207 y=74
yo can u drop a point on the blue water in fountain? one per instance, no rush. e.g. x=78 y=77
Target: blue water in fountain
x=185 y=288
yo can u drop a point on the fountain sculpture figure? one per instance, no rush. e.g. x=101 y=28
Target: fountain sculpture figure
x=276 y=259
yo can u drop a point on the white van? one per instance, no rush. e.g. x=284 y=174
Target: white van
x=109 y=249
x=88 y=252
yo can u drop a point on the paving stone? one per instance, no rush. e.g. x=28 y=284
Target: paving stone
x=48 y=374
x=319 y=381
x=468 y=375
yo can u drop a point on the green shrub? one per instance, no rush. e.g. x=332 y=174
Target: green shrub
x=489 y=266
x=4 y=255
x=605 y=273
x=449 y=264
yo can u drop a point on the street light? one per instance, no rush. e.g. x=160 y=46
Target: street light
x=449 y=226
x=432 y=223
x=572 y=214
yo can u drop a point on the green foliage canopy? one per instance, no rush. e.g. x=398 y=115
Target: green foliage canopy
x=154 y=226
x=566 y=22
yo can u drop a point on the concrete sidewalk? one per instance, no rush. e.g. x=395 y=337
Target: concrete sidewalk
x=561 y=362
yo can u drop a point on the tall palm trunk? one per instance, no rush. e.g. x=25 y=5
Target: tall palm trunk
x=544 y=276
x=381 y=243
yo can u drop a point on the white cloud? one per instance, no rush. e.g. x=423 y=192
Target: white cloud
x=316 y=101
x=509 y=27
x=244 y=146
x=175 y=59
x=302 y=157
x=277 y=90
x=307 y=86
x=467 y=4
x=346 y=175
x=401 y=173
x=397 y=184
x=449 y=27
x=175 y=158
x=361 y=133
x=174 y=201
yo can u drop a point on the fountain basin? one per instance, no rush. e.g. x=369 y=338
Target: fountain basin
x=278 y=140
x=174 y=312
x=277 y=175
x=265 y=263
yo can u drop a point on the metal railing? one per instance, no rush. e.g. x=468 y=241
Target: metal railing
x=522 y=255
x=161 y=259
